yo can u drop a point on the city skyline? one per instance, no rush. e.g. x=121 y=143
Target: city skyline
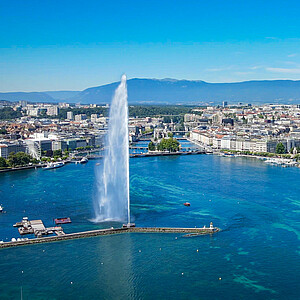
x=73 y=46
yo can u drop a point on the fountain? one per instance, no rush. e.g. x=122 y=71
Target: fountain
x=112 y=200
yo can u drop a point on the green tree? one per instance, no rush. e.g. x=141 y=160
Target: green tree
x=3 y=163
x=280 y=149
x=171 y=145
x=19 y=159
x=151 y=146
x=7 y=113
x=170 y=134
x=57 y=153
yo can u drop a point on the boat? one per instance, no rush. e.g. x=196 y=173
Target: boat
x=62 y=221
x=187 y=204
x=53 y=165
x=1 y=208
x=84 y=160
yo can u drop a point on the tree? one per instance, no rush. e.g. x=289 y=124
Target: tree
x=19 y=159
x=3 y=163
x=171 y=145
x=280 y=149
x=57 y=153
x=151 y=146
x=170 y=134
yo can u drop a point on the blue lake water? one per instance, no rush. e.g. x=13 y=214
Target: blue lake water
x=255 y=256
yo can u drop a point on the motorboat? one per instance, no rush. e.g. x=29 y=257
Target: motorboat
x=53 y=165
x=62 y=220
x=1 y=208
x=84 y=160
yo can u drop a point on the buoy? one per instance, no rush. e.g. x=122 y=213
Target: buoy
x=159 y=249
x=140 y=250
x=181 y=273
x=176 y=238
x=197 y=250
x=220 y=278
x=71 y=282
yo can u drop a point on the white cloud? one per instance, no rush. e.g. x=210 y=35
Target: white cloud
x=284 y=70
x=219 y=69
x=256 y=67
x=243 y=73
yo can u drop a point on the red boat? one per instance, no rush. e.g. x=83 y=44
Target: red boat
x=187 y=204
x=62 y=221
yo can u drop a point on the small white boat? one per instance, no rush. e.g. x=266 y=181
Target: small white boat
x=1 y=208
x=84 y=160
x=54 y=165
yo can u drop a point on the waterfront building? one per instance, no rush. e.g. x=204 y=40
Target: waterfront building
x=59 y=145
x=11 y=147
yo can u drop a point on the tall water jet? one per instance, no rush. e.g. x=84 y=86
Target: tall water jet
x=112 y=201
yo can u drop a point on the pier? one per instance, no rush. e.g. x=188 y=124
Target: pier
x=101 y=232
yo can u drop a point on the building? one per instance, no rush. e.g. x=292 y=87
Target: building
x=70 y=115
x=81 y=117
x=11 y=147
x=36 y=146
x=59 y=145
x=52 y=110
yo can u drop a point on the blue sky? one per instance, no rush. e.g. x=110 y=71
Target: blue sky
x=72 y=45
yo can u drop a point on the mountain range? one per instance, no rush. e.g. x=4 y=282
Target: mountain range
x=172 y=91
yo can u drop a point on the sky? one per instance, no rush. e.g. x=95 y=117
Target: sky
x=72 y=45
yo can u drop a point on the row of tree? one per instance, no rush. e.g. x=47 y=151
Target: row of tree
x=15 y=160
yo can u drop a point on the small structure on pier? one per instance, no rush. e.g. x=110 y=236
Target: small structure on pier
x=36 y=227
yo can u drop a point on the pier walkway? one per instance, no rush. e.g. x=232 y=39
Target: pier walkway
x=110 y=231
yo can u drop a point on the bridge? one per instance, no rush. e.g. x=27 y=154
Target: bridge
x=101 y=232
x=152 y=154
x=146 y=148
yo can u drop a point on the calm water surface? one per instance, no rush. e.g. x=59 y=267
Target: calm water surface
x=256 y=255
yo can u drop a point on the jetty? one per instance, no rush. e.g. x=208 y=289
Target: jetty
x=102 y=232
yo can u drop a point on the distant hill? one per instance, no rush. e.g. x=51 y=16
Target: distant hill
x=171 y=91
x=31 y=96
x=62 y=95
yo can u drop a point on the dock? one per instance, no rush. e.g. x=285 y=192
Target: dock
x=102 y=232
x=37 y=228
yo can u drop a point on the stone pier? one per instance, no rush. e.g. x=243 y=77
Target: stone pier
x=110 y=231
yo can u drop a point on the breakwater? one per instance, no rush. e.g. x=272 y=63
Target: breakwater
x=110 y=231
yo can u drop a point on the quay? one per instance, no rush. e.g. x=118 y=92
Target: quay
x=101 y=232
